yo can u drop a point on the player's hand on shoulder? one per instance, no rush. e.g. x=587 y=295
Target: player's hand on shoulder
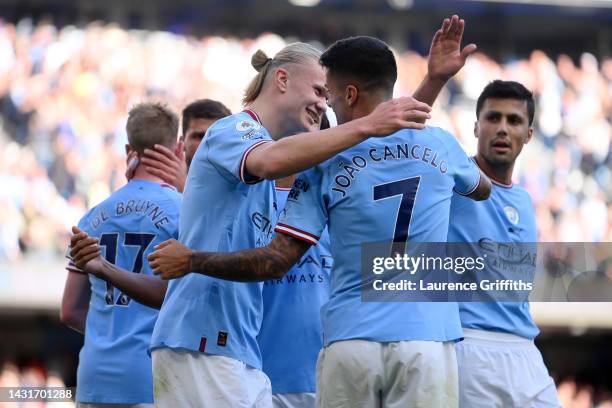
x=170 y=259
x=395 y=114
x=85 y=252
x=167 y=165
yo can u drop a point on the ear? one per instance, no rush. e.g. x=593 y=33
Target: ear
x=281 y=78
x=476 y=129
x=351 y=94
x=128 y=149
x=529 y=135
x=179 y=149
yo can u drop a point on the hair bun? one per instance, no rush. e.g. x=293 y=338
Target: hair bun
x=259 y=60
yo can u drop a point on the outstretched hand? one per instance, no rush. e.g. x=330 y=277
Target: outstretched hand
x=446 y=57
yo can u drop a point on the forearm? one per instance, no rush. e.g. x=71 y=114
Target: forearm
x=294 y=154
x=77 y=320
x=253 y=265
x=75 y=301
x=148 y=290
x=429 y=89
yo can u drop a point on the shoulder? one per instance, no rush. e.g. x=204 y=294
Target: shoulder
x=521 y=195
x=238 y=124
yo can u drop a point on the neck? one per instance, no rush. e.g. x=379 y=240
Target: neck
x=142 y=174
x=285 y=182
x=500 y=173
x=268 y=113
x=368 y=102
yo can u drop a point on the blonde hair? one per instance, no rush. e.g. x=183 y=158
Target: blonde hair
x=295 y=53
x=151 y=123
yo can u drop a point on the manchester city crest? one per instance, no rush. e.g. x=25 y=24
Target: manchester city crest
x=512 y=214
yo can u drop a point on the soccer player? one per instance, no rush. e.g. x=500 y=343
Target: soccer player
x=499 y=365
x=170 y=167
x=114 y=366
x=376 y=353
x=160 y=161
x=291 y=335
x=204 y=345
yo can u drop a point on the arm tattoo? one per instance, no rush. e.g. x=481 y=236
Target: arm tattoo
x=252 y=265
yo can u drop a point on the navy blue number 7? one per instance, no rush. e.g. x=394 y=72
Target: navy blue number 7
x=407 y=188
x=110 y=241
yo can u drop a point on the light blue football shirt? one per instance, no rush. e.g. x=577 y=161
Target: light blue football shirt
x=291 y=335
x=114 y=366
x=506 y=217
x=384 y=189
x=220 y=213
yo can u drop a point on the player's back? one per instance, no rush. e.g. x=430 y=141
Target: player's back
x=503 y=221
x=399 y=189
x=114 y=365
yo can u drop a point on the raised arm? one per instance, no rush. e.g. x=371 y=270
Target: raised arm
x=172 y=259
x=445 y=59
x=144 y=289
x=294 y=154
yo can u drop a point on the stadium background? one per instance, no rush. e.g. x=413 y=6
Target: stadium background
x=69 y=71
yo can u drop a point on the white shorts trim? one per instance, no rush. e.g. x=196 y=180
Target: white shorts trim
x=495 y=337
x=294 y=400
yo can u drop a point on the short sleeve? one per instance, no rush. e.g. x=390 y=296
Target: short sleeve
x=229 y=142
x=305 y=214
x=466 y=173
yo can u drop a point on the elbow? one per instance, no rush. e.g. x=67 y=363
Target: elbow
x=68 y=317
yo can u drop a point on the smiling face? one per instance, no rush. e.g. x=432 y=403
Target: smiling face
x=304 y=99
x=502 y=130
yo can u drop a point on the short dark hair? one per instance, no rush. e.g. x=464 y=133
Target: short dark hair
x=367 y=60
x=151 y=123
x=203 y=109
x=507 y=90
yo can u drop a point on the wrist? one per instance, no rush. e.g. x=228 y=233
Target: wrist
x=437 y=79
x=363 y=128
x=190 y=261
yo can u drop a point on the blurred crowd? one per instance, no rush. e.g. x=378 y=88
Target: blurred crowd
x=572 y=394
x=32 y=375
x=65 y=93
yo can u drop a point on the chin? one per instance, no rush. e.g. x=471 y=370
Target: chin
x=500 y=160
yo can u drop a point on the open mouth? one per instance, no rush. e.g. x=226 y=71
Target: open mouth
x=314 y=116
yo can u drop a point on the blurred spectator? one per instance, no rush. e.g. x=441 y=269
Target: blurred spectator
x=64 y=94
x=33 y=375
